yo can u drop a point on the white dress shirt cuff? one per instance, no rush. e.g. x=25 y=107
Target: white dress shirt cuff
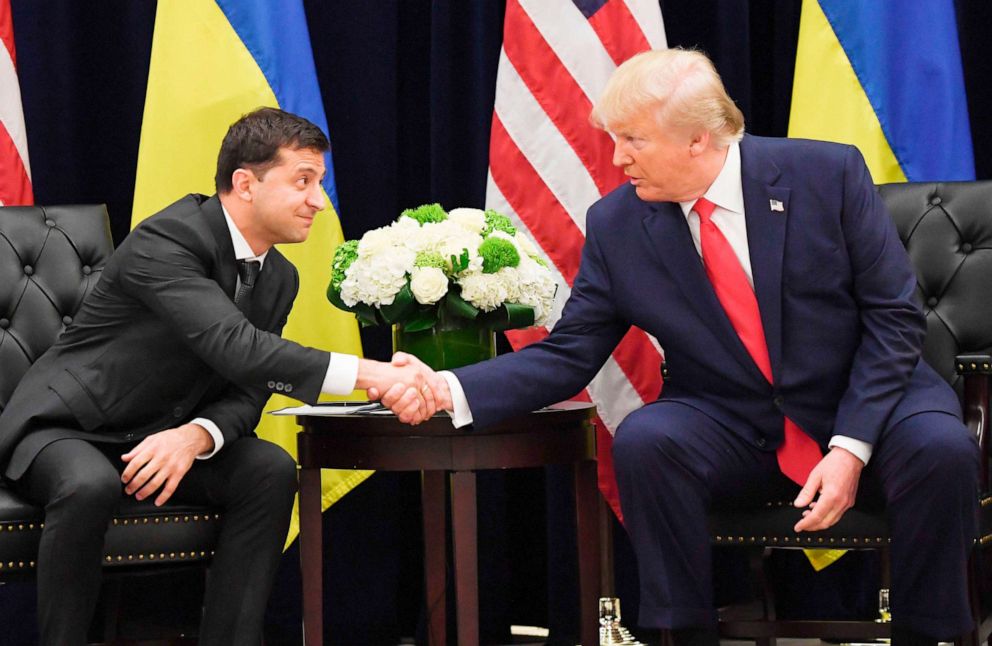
x=342 y=373
x=214 y=433
x=461 y=415
x=861 y=449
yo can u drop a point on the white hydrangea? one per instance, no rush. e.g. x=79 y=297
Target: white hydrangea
x=485 y=291
x=428 y=284
x=472 y=220
x=376 y=280
x=536 y=287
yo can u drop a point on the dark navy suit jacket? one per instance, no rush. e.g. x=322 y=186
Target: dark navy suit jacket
x=833 y=282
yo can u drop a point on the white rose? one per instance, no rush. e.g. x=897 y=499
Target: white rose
x=524 y=244
x=376 y=242
x=428 y=284
x=472 y=220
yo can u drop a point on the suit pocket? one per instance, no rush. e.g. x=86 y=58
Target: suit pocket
x=78 y=400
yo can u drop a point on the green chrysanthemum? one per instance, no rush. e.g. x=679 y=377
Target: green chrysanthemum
x=498 y=222
x=426 y=213
x=430 y=259
x=344 y=255
x=497 y=253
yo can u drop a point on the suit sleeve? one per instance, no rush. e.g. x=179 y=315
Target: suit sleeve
x=893 y=327
x=562 y=364
x=168 y=271
x=238 y=411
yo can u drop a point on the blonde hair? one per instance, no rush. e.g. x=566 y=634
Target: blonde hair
x=680 y=86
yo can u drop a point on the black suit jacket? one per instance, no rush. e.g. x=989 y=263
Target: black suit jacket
x=159 y=342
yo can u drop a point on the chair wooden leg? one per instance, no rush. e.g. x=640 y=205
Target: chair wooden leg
x=587 y=528
x=758 y=560
x=974 y=638
x=311 y=557
x=464 y=523
x=435 y=551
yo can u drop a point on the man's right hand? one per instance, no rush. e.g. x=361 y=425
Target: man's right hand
x=402 y=387
x=437 y=383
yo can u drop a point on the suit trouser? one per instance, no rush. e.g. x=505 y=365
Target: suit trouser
x=673 y=464
x=79 y=485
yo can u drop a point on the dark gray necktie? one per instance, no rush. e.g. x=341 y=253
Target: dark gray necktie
x=247 y=272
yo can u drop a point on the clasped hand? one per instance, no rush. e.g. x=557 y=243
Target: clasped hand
x=406 y=386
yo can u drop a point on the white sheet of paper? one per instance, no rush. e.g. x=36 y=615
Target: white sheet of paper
x=328 y=409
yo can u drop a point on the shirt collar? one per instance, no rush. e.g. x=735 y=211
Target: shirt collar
x=726 y=191
x=242 y=250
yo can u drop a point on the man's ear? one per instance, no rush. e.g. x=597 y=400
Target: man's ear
x=241 y=184
x=699 y=142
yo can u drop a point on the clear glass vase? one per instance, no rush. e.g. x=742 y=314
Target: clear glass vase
x=452 y=342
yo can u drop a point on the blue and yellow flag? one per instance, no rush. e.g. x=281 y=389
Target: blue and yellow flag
x=887 y=78
x=213 y=61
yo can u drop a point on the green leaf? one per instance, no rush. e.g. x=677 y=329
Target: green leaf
x=365 y=314
x=400 y=308
x=424 y=319
x=458 y=306
x=334 y=297
x=459 y=263
x=510 y=316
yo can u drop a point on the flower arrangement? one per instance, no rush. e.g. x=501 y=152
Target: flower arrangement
x=431 y=266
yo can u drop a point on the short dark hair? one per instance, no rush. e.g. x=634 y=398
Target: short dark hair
x=254 y=140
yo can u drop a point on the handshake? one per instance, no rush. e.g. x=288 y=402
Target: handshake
x=406 y=386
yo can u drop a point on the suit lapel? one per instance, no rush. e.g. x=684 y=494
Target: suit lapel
x=225 y=268
x=671 y=240
x=766 y=207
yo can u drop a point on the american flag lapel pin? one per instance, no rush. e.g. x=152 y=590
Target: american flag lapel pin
x=775 y=205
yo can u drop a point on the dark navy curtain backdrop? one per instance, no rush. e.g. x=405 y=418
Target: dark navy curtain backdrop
x=408 y=89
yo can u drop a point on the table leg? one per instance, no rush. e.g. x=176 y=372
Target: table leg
x=311 y=557
x=464 y=523
x=587 y=528
x=435 y=551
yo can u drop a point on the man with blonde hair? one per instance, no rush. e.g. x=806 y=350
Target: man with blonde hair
x=771 y=274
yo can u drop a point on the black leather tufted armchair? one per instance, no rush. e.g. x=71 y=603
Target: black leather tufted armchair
x=49 y=260
x=947 y=230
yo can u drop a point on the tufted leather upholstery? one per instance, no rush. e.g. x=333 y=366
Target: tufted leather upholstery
x=947 y=231
x=50 y=258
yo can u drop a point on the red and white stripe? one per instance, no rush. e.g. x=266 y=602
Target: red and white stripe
x=547 y=164
x=15 y=169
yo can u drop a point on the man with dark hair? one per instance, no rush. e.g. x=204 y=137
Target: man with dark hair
x=161 y=378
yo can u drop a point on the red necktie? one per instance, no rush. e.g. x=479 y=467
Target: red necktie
x=798 y=453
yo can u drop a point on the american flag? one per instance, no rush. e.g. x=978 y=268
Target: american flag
x=15 y=170
x=547 y=165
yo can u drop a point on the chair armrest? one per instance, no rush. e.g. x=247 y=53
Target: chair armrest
x=975 y=369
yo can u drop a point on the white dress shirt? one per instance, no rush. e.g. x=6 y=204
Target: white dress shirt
x=727 y=193
x=342 y=369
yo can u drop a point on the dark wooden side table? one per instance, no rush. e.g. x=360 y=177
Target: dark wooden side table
x=561 y=435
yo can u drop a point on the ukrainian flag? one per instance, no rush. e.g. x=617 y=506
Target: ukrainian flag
x=211 y=62
x=887 y=78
